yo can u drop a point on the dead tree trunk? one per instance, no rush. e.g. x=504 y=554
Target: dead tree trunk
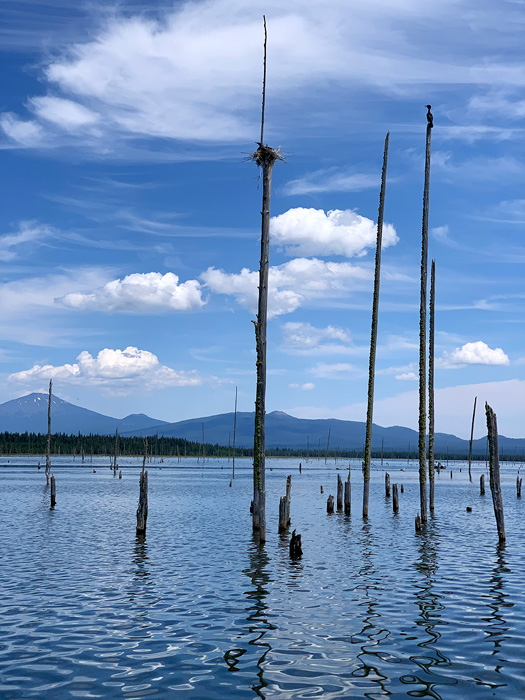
x=373 y=337
x=234 y=431
x=432 y=307
x=387 y=485
x=495 y=486
x=348 y=493
x=142 y=509
x=327 y=446
x=471 y=440
x=53 y=491
x=330 y=504
x=395 y=499
x=115 y=457
x=423 y=332
x=339 y=492
x=265 y=157
x=482 y=485
x=48 y=444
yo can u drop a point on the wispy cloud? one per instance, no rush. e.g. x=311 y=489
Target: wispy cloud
x=331 y=180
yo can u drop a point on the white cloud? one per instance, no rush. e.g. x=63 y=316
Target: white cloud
x=331 y=180
x=139 y=293
x=63 y=113
x=476 y=353
x=307 y=386
x=128 y=368
x=305 y=339
x=407 y=377
x=315 y=232
x=291 y=284
x=25 y=134
x=194 y=73
x=28 y=232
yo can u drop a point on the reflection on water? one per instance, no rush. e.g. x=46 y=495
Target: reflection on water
x=497 y=629
x=200 y=610
x=257 y=617
x=372 y=633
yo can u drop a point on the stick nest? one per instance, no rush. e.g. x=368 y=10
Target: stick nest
x=266 y=156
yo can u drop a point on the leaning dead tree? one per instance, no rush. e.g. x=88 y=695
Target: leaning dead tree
x=432 y=307
x=423 y=331
x=265 y=157
x=48 y=444
x=373 y=338
x=495 y=486
x=234 y=430
x=471 y=439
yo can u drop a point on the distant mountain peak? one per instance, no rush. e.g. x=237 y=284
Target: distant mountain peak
x=280 y=413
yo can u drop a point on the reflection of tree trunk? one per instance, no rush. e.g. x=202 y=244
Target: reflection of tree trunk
x=256 y=618
x=498 y=627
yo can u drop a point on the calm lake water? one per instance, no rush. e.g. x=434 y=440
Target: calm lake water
x=198 y=610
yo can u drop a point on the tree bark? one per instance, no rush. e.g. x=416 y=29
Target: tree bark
x=495 y=486
x=432 y=307
x=48 y=444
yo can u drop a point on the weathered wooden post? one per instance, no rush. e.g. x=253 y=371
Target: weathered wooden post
x=48 y=444
x=373 y=337
x=495 y=486
x=422 y=444
x=142 y=509
x=265 y=157
x=295 y=546
x=482 y=485
x=53 y=491
x=339 y=492
x=387 y=485
x=395 y=499
x=348 y=493
x=330 y=504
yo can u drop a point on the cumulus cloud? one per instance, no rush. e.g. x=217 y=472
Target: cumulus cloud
x=307 y=386
x=291 y=284
x=407 y=377
x=305 y=339
x=128 y=368
x=476 y=353
x=309 y=232
x=139 y=292
x=28 y=232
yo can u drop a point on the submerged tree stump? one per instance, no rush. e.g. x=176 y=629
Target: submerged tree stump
x=348 y=493
x=482 y=485
x=53 y=491
x=418 y=523
x=518 y=486
x=387 y=485
x=339 y=492
x=142 y=510
x=395 y=499
x=330 y=504
x=296 y=550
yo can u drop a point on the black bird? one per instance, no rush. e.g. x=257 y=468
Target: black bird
x=430 y=118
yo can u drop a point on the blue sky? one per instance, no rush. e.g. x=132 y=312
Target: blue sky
x=130 y=217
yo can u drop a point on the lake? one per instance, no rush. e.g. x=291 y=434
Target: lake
x=197 y=609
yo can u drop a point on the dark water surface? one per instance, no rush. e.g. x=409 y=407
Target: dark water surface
x=196 y=609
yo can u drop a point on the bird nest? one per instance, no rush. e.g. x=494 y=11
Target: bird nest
x=266 y=156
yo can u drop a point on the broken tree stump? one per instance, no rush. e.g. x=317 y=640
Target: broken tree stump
x=330 y=504
x=482 y=485
x=518 y=486
x=418 y=523
x=395 y=499
x=339 y=492
x=348 y=494
x=387 y=485
x=495 y=485
x=53 y=491
x=142 y=509
x=295 y=546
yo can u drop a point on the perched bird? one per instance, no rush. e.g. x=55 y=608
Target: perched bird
x=430 y=118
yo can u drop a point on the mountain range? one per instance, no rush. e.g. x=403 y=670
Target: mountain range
x=29 y=414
